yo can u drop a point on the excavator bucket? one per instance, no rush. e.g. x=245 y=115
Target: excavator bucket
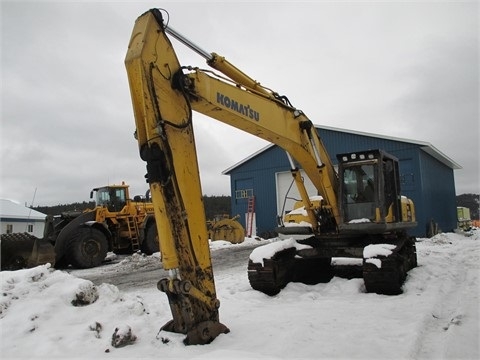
x=23 y=250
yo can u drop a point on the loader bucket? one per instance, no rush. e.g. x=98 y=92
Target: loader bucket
x=229 y=230
x=23 y=250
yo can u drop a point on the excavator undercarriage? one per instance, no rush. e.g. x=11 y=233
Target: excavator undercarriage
x=381 y=274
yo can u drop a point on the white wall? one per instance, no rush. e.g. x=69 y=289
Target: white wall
x=283 y=182
x=19 y=226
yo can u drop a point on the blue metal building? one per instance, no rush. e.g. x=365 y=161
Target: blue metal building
x=427 y=177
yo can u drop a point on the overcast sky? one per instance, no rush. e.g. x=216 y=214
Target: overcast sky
x=402 y=69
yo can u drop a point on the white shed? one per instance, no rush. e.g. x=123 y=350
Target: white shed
x=16 y=218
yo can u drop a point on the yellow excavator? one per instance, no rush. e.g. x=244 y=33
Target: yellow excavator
x=361 y=206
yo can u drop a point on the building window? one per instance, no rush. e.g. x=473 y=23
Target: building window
x=243 y=194
x=30 y=228
x=9 y=228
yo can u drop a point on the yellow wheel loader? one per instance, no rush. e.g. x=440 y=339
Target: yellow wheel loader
x=361 y=208
x=82 y=239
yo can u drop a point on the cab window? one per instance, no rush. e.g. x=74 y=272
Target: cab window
x=113 y=198
x=359 y=192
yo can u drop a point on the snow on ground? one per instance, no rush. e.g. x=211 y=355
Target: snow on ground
x=46 y=313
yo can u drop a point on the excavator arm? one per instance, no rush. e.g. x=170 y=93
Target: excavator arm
x=164 y=94
x=164 y=132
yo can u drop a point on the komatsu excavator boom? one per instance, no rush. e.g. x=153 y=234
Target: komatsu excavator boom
x=164 y=93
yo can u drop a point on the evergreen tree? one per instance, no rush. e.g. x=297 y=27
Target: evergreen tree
x=214 y=205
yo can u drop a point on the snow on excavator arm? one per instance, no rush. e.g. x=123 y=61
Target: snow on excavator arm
x=163 y=98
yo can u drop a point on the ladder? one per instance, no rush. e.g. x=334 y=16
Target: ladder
x=133 y=231
x=250 y=215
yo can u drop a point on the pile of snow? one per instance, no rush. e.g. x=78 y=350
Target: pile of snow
x=41 y=284
x=49 y=313
x=435 y=317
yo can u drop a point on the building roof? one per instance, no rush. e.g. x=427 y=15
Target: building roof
x=12 y=210
x=425 y=146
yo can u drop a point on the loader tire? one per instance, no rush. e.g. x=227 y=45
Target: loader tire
x=150 y=243
x=87 y=248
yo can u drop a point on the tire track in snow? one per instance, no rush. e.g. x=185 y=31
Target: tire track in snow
x=456 y=296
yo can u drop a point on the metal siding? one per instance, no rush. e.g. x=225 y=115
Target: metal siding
x=266 y=220
x=419 y=173
x=244 y=183
x=261 y=170
x=438 y=187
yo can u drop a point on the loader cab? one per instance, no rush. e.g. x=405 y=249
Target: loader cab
x=370 y=189
x=114 y=198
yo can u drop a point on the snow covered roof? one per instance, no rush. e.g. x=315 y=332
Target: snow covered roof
x=425 y=146
x=12 y=210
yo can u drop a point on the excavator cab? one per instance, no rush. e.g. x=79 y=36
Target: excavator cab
x=369 y=192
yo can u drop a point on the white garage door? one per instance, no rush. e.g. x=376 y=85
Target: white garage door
x=287 y=192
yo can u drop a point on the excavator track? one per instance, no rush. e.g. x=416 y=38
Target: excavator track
x=389 y=278
x=271 y=277
x=275 y=273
